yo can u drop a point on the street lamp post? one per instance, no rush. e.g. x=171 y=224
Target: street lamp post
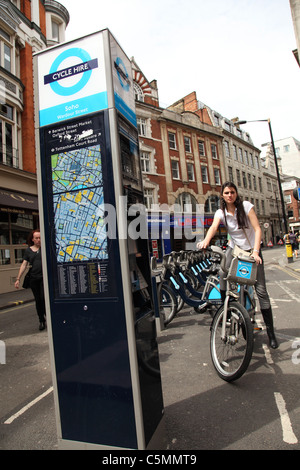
x=288 y=246
x=276 y=166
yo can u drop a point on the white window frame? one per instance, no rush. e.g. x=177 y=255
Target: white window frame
x=201 y=147
x=142 y=126
x=204 y=173
x=190 y=171
x=145 y=161
x=172 y=140
x=217 y=176
x=175 y=170
x=214 y=151
x=187 y=144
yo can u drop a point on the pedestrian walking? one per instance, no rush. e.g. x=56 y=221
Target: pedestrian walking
x=243 y=227
x=32 y=257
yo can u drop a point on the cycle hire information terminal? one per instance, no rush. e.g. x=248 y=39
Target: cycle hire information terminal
x=101 y=323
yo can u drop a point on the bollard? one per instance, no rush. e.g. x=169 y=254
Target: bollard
x=289 y=252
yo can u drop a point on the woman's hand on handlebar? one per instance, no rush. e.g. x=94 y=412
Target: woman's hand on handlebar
x=202 y=245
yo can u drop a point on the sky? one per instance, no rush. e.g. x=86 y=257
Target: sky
x=235 y=54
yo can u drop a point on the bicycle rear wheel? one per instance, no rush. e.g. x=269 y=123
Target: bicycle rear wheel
x=167 y=303
x=232 y=353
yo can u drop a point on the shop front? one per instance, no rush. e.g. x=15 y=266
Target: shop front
x=18 y=216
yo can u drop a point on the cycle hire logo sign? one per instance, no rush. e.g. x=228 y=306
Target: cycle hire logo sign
x=244 y=270
x=72 y=80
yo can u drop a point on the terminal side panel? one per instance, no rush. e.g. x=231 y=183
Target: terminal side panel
x=86 y=299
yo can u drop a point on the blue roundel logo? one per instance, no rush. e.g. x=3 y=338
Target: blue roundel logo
x=122 y=74
x=68 y=91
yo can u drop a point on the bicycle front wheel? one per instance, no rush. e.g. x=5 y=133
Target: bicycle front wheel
x=231 y=353
x=167 y=303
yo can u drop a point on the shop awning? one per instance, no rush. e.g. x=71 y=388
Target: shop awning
x=19 y=200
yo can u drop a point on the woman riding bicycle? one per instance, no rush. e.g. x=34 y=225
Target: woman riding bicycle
x=243 y=227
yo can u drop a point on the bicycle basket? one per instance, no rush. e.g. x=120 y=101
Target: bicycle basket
x=243 y=271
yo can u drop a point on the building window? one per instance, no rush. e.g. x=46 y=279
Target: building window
x=227 y=150
x=234 y=152
x=254 y=183
x=187 y=202
x=172 y=141
x=230 y=174
x=8 y=154
x=238 y=177
x=14 y=231
x=249 y=181
x=260 y=185
x=244 y=179
x=145 y=162
x=142 y=126
x=217 y=176
x=227 y=126
x=201 y=147
x=286 y=148
x=214 y=151
x=257 y=206
x=241 y=155
x=190 y=171
x=212 y=204
x=251 y=159
x=149 y=197
x=175 y=169
x=138 y=92
x=263 y=207
x=187 y=144
x=204 y=173
x=246 y=157
x=256 y=163
x=7 y=58
x=55 y=31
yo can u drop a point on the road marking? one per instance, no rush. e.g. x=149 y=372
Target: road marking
x=293 y=274
x=268 y=355
x=288 y=291
x=287 y=430
x=25 y=408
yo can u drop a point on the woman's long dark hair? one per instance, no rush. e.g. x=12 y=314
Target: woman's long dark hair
x=241 y=216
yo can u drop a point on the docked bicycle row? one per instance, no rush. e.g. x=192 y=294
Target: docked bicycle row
x=192 y=278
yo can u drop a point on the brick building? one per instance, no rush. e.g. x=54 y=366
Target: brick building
x=182 y=164
x=26 y=27
x=289 y=185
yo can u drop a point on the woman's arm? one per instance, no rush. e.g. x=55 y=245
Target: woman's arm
x=258 y=234
x=210 y=234
x=21 y=271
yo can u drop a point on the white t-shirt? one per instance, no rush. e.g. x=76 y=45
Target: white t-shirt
x=237 y=234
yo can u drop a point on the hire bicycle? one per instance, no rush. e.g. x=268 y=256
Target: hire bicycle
x=231 y=341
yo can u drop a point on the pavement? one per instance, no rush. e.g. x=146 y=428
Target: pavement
x=23 y=296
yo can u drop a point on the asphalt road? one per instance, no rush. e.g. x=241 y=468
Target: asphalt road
x=259 y=411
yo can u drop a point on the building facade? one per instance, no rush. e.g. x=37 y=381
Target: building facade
x=26 y=27
x=288 y=151
x=182 y=165
x=295 y=10
x=290 y=184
